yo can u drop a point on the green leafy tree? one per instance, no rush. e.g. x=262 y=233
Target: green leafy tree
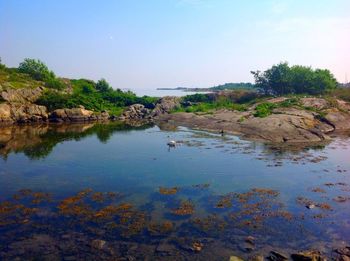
x=103 y=86
x=36 y=69
x=281 y=79
x=39 y=71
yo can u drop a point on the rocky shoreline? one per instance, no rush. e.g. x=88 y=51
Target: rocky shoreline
x=284 y=125
x=314 y=122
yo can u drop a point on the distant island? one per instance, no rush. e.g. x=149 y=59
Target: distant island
x=222 y=87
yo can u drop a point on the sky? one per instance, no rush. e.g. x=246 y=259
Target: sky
x=137 y=44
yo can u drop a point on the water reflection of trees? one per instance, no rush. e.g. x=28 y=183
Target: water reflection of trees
x=38 y=141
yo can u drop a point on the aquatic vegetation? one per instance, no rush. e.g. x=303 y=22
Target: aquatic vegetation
x=12 y=213
x=210 y=223
x=185 y=208
x=225 y=201
x=160 y=229
x=98 y=197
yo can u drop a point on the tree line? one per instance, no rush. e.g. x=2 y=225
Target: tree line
x=282 y=79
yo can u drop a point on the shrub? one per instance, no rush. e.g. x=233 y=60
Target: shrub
x=264 y=109
x=40 y=72
x=53 y=100
x=103 y=86
x=36 y=69
x=341 y=93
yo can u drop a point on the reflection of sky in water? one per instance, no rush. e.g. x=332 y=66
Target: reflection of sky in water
x=138 y=162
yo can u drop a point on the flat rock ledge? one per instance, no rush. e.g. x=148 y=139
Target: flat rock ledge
x=284 y=125
x=11 y=113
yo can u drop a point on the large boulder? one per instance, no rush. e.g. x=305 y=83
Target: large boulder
x=338 y=119
x=76 y=115
x=5 y=112
x=166 y=105
x=22 y=113
x=24 y=95
x=135 y=112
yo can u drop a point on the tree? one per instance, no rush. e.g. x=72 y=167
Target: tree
x=35 y=68
x=39 y=71
x=2 y=66
x=281 y=79
x=103 y=86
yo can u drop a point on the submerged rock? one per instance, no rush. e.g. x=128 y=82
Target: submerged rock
x=277 y=256
x=235 y=258
x=307 y=256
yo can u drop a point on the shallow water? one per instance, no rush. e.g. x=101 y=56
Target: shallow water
x=79 y=192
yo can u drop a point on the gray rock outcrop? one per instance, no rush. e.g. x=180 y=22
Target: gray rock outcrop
x=165 y=105
x=24 y=95
x=135 y=112
x=22 y=113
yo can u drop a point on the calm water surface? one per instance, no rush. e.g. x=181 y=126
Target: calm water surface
x=87 y=192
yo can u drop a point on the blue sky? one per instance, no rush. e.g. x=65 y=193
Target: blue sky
x=139 y=44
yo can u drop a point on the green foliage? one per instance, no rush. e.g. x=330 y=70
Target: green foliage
x=264 y=109
x=10 y=78
x=281 y=79
x=36 y=69
x=198 y=97
x=86 y=94
x=234 y=86
x=53 y=100
x=40 y=72
x=207 y=107
x=341 y=93
x=2 y=66
x=103 y=86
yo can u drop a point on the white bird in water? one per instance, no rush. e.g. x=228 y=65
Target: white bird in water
x=171 y=143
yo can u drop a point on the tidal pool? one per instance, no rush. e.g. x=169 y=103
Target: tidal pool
x=102 y=191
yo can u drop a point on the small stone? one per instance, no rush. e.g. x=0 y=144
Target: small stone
x=250 y=240
x=343 y=251
x=340 y=199
x=256 y=258
x=311 y=206
x=235 y=258
x=197 y=246
x=277 y=256
x=344 y=258
x=98 y=243
x=307 y=256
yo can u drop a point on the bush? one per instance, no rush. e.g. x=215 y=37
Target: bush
x=53 y=100
x=264 y=109
x=2 y=66
x=341 y=93
x=40 y=72
x=198 y=97
x=103 y=86
x=54 y=83
x=36 y=69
